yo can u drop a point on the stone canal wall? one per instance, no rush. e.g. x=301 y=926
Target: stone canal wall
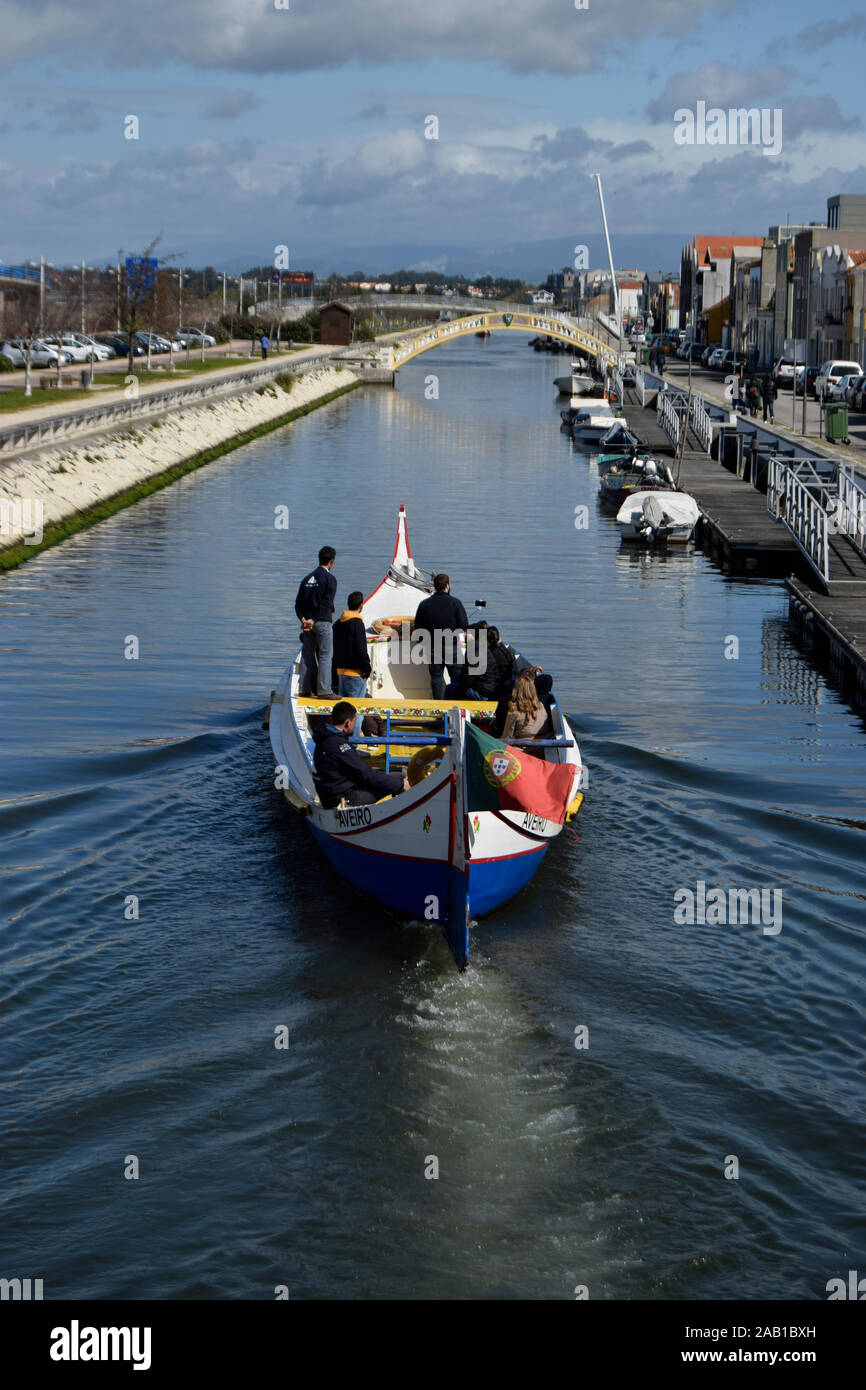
x=54 y=491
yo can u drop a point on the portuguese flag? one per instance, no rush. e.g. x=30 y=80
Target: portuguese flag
x=502 y=778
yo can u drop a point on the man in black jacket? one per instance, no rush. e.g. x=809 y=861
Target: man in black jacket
x=442 y=617
x=351 y=659
x=315 y=608
x=340 y=774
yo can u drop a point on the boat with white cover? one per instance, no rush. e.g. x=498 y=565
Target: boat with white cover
x=658 y=518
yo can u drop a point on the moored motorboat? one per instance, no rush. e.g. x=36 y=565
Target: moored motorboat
x=480 y=815
x=658 y=517
x=593 y=423
x=628 y=476
x=580 y=381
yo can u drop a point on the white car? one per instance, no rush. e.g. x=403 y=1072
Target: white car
x=785 y=372
x=195 y=337
x=14 y=351
x=715 y=357
x=830 y=373
x=839 y=392
x=76 y=352
x=100 y=352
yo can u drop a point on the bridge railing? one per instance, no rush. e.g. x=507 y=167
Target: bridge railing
x=19 y=272
x=793 y=501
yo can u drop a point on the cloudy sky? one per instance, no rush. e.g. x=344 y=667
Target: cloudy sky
x=306 y=126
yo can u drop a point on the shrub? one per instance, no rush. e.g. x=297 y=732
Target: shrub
x=6 y=365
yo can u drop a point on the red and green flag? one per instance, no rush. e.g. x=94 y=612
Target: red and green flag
x=502 y=778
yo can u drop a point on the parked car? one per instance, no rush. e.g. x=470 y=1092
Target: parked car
x=715 y=358
x=120 y=344
x=14 y=350
x=829 y=374
x=732 y=360
x=196 y=336
x=839 y=392
x=708 y=352
x=67 y=344
x=855 y=385
x=42 y=354
x=858 y=402
x=99 y=351
x=784 y=372
x=808 y=374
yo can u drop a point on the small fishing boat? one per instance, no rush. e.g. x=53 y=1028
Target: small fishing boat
x=579 y=382
x=483 y=333
x=628 y=476
x=658 y=517
x=619 y=442
x=593 y=423
x=480 y=815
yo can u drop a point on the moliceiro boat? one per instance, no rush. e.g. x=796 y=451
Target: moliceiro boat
x=480 y=814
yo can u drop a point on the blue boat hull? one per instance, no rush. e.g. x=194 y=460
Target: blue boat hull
x=406 y=885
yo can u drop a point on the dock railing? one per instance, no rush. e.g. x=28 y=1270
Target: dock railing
x=851 y=505
x=702 y=423
x=672 y=408
x=797 y=500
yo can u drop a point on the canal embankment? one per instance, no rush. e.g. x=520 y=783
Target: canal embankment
x=60 y=486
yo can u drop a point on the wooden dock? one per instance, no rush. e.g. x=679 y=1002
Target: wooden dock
x=738 y=532
x=735 y=528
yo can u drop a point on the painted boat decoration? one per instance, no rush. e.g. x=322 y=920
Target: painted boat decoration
x=481 y=815
x=659 y=517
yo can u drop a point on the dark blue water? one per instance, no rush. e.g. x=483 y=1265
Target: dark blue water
x=305 y=1166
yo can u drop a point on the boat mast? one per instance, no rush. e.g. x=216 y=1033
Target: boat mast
x=617 y=304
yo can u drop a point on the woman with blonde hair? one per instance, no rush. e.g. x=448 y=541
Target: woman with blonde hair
x=526 y=715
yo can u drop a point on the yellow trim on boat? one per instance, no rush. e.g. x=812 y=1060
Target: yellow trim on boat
x=423 y=707
x=574 y=806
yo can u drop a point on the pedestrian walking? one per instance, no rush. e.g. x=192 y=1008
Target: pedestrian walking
x=266 y=342
x=769 y=391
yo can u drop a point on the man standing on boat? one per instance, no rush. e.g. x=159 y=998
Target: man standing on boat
x=315 y=608
x=342 y=776
x=442 y=616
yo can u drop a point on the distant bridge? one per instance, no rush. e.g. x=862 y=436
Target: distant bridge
x=19 y=275
x=394 y=355
x=390 y=303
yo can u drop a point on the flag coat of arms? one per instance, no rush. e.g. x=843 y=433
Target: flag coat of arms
x=502 y=778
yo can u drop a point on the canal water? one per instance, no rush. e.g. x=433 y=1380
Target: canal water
x=145 y=785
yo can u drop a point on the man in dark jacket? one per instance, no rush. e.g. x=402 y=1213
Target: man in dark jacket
x=769 y=392
x=491 y=682
x=442 y=617
x=351 y=659
x=315 y=608
x=340 y=774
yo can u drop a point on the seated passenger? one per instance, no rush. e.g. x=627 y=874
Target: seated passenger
x=351 y=660
x=340 y=774
x=492 y=682
x=526 y=715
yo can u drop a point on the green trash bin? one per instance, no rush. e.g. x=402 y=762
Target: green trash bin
x=837 y=421
x=645 y=356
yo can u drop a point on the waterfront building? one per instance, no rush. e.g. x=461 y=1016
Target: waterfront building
x=705 y=282
x=336 y=324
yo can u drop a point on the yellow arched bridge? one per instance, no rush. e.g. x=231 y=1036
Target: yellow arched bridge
x=394 y=355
